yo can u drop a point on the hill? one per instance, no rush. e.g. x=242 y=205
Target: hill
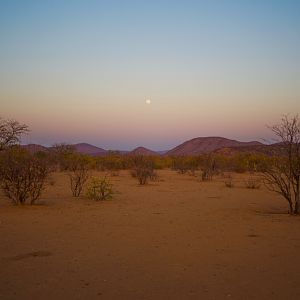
x=143 y=151
x=269 y=150
x=85 y=148
x=202 y=145
x=33 y=148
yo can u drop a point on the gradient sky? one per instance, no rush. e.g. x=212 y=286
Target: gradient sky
x=80 y=71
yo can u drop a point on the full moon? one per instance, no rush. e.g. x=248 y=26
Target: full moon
x=148 y=101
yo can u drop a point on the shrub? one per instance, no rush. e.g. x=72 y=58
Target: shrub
x=113 y=162
x=78 y=168
x=229 y=181
x=143 y=174
x=206 y=175
x=208 y=168
x=154 y=176
x=100 y=189
x=61 y=155
x=184 y=164
x=252 y=183
x=180 y=164
x=23 y=175
x=142 y=168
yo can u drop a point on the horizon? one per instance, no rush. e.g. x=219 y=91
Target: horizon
x=120 y=75
x=142 y=146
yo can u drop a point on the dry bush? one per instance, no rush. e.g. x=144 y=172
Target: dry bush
x=184 y=164
x=133 y=173
x=208 y=168
x=142 y=168
x=113 y=162
x=207 y=175
x=78 y=171
x=180 y=164
x=61 y=155
x=143 y=173
x=154 y=176
x=100 y=189
x=252 y=183
x=23 y=175
x=114 y=173
x=228 y=181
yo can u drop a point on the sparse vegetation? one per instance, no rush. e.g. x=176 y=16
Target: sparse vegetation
x=23 y=175
x=142 y=168
x=252 y=182
x=61 y=155
x=100 y=189
x=78 y=171
x=208 y=168
x=186 y=164
x=283 y=172
x=179 y=164
x=228 y=181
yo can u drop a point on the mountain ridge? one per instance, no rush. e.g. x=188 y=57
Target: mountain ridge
x=195 y=146
x=202 y=145
x=143 y=151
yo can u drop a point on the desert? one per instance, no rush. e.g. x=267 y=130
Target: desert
x=149 y=150
x=176 y=238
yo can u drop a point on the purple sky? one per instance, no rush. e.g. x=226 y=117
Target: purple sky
x=81 y=71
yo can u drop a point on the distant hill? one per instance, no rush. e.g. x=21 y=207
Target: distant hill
x=143 y=151
x=85 y=148
x=196 y=146
x=202 y=145
x=33 y=148
x=273 y=149
x=163 y=152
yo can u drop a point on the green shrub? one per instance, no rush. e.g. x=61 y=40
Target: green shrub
x=100 y=189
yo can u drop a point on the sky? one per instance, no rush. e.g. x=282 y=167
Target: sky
x=81 y=71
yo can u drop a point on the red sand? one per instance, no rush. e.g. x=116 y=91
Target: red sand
x=175 y=239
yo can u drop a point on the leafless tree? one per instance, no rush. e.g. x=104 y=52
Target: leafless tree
x=78 y=171
x=283 y=173
x=22 y=175
x=142 y=168
x=11 y=132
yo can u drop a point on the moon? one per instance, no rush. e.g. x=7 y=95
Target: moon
x=148 y=101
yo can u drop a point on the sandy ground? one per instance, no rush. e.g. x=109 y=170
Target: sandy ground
x=178 y=238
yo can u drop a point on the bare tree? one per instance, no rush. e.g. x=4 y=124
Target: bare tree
x=11 y=132
x=142 y=168
x=283 y=174
x=22 y=175
x=78 y=173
